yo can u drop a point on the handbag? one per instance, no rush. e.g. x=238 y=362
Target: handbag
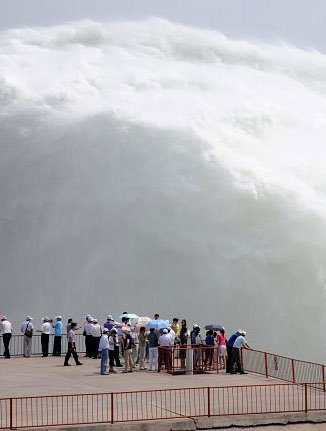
x=28 y=332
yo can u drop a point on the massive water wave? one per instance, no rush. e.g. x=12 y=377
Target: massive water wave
x=152 y=167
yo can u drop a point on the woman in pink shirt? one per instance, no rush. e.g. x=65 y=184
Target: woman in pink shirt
x=221 y=340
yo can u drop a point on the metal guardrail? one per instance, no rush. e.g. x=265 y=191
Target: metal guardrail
x=17 y=343
x=282 y=367
x=76 y=409
x=173 y=359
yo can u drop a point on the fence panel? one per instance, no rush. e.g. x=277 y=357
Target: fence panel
x=5 y=413
x=61 y=410
x=160 y=404
x=17 y=343
x=257 y=399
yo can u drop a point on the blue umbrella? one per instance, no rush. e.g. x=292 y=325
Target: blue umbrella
x=214 y=327
x=129 y=316
x=157 y=324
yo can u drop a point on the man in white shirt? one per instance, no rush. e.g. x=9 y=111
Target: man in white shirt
x=96 y=333
x=6 y=329
x=45 y=335
x=237 y=345
x=104 y=351
x=88 y=336
x=27 y=329
x=165 y=350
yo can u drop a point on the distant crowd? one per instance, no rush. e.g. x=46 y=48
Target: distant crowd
x=134 y=341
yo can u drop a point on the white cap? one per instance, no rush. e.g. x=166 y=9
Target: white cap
x=58 y=317
x=4 y=318
x=94 y=320
x=89 y=318
x=29 y=318
x=195 y=326
x=105 y=330
x=110 y=317
x=243 y=333
x=165 y=331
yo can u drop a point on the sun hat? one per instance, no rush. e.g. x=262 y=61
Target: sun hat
x=110 y=317
x=105 y=330
x=243 y=333
x=29 y=318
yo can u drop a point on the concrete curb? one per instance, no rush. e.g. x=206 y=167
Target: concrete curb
x=202 y=423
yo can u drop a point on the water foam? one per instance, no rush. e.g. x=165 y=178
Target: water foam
x=157 y=167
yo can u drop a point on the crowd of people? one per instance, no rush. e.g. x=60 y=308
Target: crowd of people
x=134 y=339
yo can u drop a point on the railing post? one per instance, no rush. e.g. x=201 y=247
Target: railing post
x=208 y=401
x=112 y=417
x=323 y=376
x=266 y=366
x=293 y=372
x=305 y=398
x=10 y=414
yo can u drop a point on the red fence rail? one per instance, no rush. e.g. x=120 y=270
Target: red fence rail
x=283 y=368
x=24 y=412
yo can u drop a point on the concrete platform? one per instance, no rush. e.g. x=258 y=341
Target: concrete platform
x=47 y=376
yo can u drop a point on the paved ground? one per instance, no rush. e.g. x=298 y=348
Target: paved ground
x=36 y=376
x=48 y=376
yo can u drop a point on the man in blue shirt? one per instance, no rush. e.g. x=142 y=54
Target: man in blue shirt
x=57 y=336
x=229 y=349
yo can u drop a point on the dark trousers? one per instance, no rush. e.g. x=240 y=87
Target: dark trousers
x=236 y=359
x=116 y=356
x=95 y=346
x=57 y=346
x=45 y=344
x=111 y=358
x=71 y=351
x=88 y=344
x=229 y=360
x=6 y=340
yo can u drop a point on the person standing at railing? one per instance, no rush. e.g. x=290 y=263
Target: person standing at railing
x=88 y=335
x=142 y=347
x=176 y=328
x=183 y=342
x=221 y=340
x=45 y=335
x=236 y=357
x=152 y=349
x=72 y=346
x=27 y=329
x=165 y=354
x=57 y=336
x=113 y=343
x=229 y=350
x=127 y=352
x=104 y=351
x=96 y=333
x=196 y=341
x=209 y=350
x=6 y=329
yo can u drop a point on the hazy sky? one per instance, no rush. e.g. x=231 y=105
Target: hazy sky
x=300 y=22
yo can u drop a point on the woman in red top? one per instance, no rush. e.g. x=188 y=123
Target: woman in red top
x=221 y=340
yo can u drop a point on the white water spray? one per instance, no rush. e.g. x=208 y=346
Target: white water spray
x=154 y=167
